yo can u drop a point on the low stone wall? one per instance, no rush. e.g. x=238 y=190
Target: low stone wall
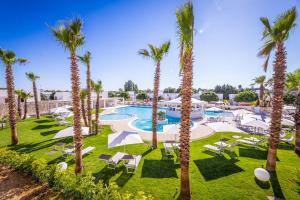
x=44 y=107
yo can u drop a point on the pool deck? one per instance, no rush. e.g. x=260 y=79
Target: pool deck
x=198 y=131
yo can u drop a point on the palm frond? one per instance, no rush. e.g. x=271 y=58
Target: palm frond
x=144 y=53
x=31 y=76
x=83 y=94
x=86 y=58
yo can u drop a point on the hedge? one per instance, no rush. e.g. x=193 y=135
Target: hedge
x=66 y=182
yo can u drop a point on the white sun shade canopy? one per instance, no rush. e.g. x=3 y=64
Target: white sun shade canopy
x=241 y=112
x=123 y=138
x=214 y=109
x=178 y=101
x=223 y=127
x=59 y=110
x=68 y=132
x=255 y=123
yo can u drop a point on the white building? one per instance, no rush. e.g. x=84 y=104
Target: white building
x=103 y=95
x=232 y=96
x=31 y=99
x=132 y=95
x=160 y=93
x=197 y=95
x=3 y=95
x=63 y=96
x=220 y=96
x=170 y=96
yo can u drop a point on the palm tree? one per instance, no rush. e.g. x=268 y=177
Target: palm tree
x=260 y=80
x=274 y=38
x=70 y=36
x=32 y=77
x=156 y=54
x=293 y=83
x=83 y=95
x=185 y=23
x=24 y=97
x=98 y=88
x=86 y=59
x=19 y=93
x=9 y=58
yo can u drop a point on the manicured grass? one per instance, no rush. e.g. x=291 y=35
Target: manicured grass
x=212 y=176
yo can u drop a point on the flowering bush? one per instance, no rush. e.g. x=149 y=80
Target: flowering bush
x=66 y=182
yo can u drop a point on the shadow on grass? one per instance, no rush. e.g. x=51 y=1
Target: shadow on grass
x=45 y=126
x=262 y=185
x=31 y=147
x=41 y=121
x=105 y=174
x=123 y=179
x=217 y=167
x=286 y=146
x=276 y=185
x=46 y=133
x=253 y=153
x=159 y=169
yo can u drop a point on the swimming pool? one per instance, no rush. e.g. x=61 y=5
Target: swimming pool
x=144 y=116
x=115 y=116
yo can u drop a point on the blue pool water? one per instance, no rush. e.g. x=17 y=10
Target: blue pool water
x=115 y=116
x=144 y=116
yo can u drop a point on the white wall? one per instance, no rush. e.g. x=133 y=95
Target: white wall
x=63 y=96
x=220 y=96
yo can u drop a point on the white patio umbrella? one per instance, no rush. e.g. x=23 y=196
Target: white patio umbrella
x=123 y=138
x=68 y=132
x=241 y=112
x=214 y=109
x=223 y=127
x=284 y=121
x=254 y=123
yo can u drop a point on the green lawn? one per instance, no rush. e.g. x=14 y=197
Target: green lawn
x=212 y=176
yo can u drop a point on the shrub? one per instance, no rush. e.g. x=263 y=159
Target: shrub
x=246 y=96
x=142 y=96
x=209 y=96
x=289 y=98
x=66 y=182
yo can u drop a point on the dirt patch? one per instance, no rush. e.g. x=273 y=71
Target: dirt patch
x=18 y=186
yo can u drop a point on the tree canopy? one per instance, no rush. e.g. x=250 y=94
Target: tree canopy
x=246 y=96
x=225 y=89
x=130 y=86
x=209 y=96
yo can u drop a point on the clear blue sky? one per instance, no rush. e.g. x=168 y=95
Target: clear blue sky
x=227 y=40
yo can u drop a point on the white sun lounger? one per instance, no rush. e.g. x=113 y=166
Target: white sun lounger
x=213 y=148
x=288 y=140
x=168 y=148
x=252 y=139
x=133 y=164
x=113 y=161
x=253 y=143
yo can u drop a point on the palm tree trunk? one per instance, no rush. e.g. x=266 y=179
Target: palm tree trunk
x=89 y=98
x=97 y=112
x=297 y=124
x=83 y=113
x=261 y=95
x=76 y=111
x=11 y=104
x=277 y=104
x=36 y=102
x=19 y=107
x=25 y=109
x=185 y=192
x=154 y=103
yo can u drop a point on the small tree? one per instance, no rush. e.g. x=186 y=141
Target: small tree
x=246 y=96
x=142 y=96
x=209 y=96
x=289 y=98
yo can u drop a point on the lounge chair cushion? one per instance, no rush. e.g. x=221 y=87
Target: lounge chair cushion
x=87 y=150
x=134 y=163
x=211 y=147
x=116 y=158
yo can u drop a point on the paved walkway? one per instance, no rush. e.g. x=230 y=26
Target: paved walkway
x=172 y=133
